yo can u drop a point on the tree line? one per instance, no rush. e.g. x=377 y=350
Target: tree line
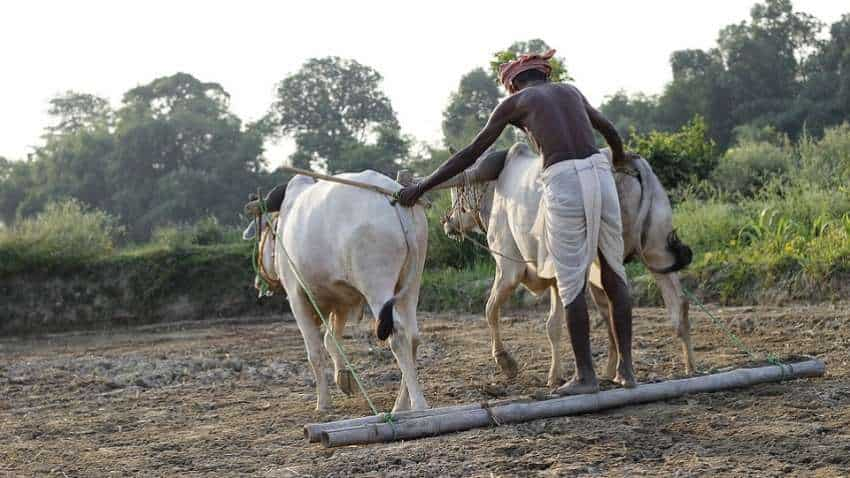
x=173 y=152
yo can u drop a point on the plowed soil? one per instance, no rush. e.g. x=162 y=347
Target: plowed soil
x=230 y=398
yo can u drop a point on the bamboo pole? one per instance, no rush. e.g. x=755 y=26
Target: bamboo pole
x=313 y=431
x=564 y=406
x=336 y=179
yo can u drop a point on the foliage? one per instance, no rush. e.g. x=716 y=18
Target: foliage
x=748 y=167
x=631 y=114
x=771 y=70
x=172 y=153
x=339 y=117
x=469 y=108
x=77 y=111
x=826 y=162
x=65 y=234
x=680 y=157
x=206 y=232
x=456 y=289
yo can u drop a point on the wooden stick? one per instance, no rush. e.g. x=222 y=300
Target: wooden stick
x=313 y=431
x=336 y=179
x=521 y=412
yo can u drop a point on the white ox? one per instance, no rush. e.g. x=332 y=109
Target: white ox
x=508 y=210
x=352 y=247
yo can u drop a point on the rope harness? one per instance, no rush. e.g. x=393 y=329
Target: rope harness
x=268 y=278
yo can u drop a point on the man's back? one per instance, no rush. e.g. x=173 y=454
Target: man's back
x=555 y=116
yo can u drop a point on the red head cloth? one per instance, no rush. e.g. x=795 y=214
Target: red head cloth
x=508 y=71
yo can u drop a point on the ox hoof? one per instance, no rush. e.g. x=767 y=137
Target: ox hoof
x=554 y=381
x=626 y=379
x=506 y=364
x=610 y=370
x=345 y=382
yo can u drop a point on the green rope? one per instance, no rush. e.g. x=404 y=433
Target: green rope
x=388 y=417
x=770 y=357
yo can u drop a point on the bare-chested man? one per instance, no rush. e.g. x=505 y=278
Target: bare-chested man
x=582 y=210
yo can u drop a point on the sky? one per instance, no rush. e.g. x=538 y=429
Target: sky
x=421 y=48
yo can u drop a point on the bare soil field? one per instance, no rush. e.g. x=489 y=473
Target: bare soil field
x=230 y=398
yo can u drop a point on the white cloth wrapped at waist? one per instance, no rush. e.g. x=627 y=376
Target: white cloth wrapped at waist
x=579 y=215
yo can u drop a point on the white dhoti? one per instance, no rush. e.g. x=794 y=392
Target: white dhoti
x=579 y=217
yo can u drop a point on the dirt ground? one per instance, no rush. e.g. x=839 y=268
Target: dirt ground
x=230 y=398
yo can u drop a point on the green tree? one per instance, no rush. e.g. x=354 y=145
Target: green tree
x=181 y=155
x=763 y=61
x=75 y=111
x=339 y=117
x=632 y=114
x=469 y=107
x=825 y=97
x=15 y=182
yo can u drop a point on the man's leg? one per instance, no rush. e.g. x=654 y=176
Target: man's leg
x=620 y=314
x=578 y=325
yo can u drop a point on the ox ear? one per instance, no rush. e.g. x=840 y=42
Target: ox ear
x=404 y=177
x=250 y=232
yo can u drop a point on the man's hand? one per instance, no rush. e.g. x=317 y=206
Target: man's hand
x=408 y=196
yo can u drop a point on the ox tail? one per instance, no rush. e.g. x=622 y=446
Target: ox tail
x=682 y=254
x=407 y=276
x=385 y=320
x=645 y=175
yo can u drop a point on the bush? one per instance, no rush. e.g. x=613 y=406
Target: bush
x=678 y=158
x=826 y=162
x=206 y=232
x=708 y=225
x=747 y=168
x=65 y=234
x=459 y=290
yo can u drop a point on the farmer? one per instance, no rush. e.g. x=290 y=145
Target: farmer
x=582 y=212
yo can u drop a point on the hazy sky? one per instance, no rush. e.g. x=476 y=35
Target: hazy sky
x=421 y=47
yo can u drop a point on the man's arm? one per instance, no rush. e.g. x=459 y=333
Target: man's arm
x=504 y=114
x=607 y=130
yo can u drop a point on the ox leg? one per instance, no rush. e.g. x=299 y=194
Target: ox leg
x=308 y=324
x=402 y=401
x=554 y=327
x=499 y=294
x=677 y=308
x=603 y=306
x=342 y=376
x=404 y=343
